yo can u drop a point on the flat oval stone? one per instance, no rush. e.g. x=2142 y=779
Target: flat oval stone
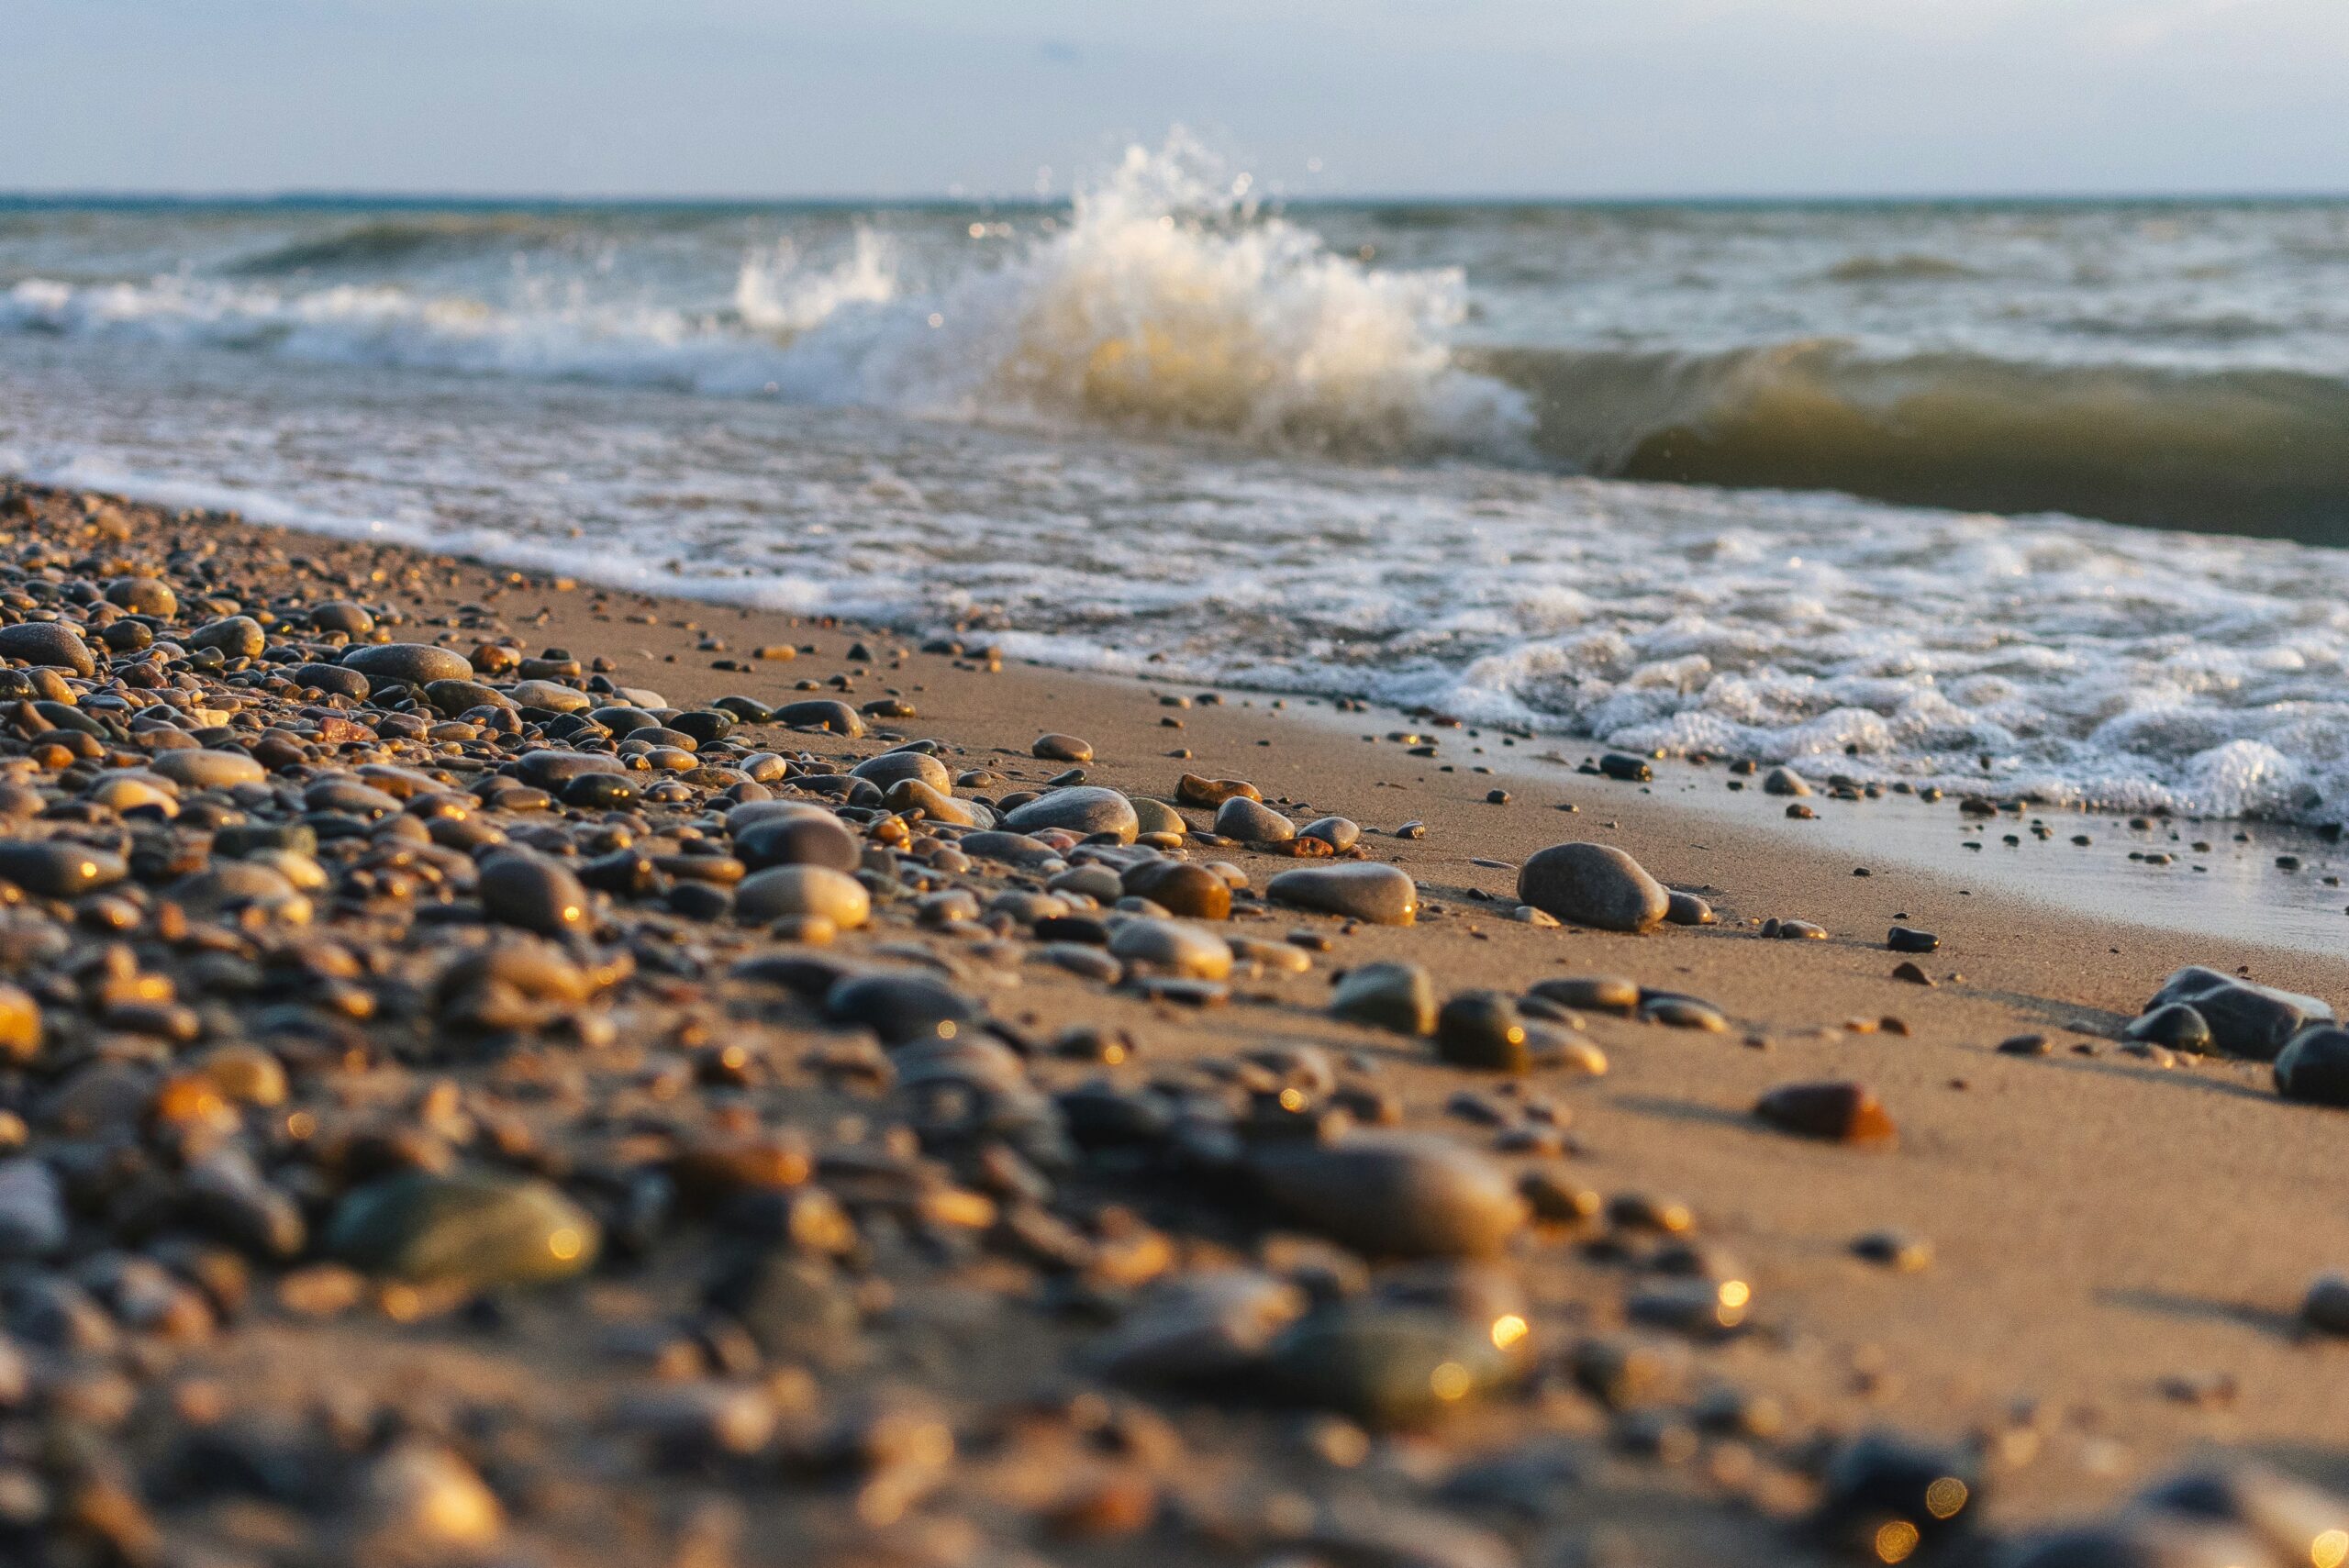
x=1836 y=1112
x=1061 y=749
x=1386 y=1365
x=1359 y=890
x=530 y=890
x=1016 y=849
x=551 y=770
x=2173 y=1026
x=336 y=678
x=56 y=868
x=342 y=615
x=821 y=713
x=552 y=695
x=418 y=663
x=1253 y=822
x=1593 y=884
x=144 y=596
x=1397 y=996
x=48 y=642
x=807 y=837
x=890 y=766
x=1157 y=816
x=783 y=890
x=1338 y=832
x=471 y=1229
x=1394 y=1194
x=1481 y=1030
x=1590 y=993
x=1170 y=946
x=1180 y=887
x=914 y=795
x=238 y=637
x=453 y=697
x=902 y=1008
x=1784 y=780
x=1084 y=810
x=2314 y=1068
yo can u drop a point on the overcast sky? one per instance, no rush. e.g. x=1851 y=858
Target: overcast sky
x=899 y=97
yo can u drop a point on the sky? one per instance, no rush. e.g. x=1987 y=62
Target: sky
x=1318 y=97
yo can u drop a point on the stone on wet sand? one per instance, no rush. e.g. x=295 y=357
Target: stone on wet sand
x=1482 y=1029
x=1835 y=1112
x=1591 y=993
x=821 y=713
x=1180 y=887
x=1170 y=946
x=1253 y=822
x=1192 y=790
x=475 y=1229
x=1391 y=1194
x=1338 y=832
x=1784 y=780
x=795 y=890
x=1688 y=910
x=1359 y=890
x=1061 y=749
x=201 y=768
x=891 y=766
x=2173 y=1026
x=1593 y=884
x=2314 y=1067
x=48 y=643
x=415 y=664
x=59 y=868
x=520 y=888
x=1084 y=810
x=1396 y=997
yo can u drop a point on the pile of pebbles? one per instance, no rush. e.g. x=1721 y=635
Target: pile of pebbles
x=458 y=1108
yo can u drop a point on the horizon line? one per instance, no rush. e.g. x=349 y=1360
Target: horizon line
x=328 y=196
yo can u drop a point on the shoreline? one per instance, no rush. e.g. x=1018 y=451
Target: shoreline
x=2103 y=1228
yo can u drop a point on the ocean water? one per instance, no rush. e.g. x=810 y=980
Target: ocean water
x=2040 y=497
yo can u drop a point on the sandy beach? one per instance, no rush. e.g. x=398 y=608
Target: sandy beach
x=2089 y=1265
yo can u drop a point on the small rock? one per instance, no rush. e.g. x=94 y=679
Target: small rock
x=1084 y=810
x=1061 y=749
x=2175 y=1026
x=1338 y=832
x=1593 y=884
x=49 y=643
x=1253 y=822
x=1906 y=938
x=475 y=1229
x=2245 y=1021
x=1169 y=947
x=1397 y=996
x=1482 y=1029
x=56 y=868
x=1360 y=890
x=2314 y=1067
x=533 y=892
x=1840 y=1112
x=1784 y=780
x=804 y=890
x=1688 y=910
x=416 y=663
x=1392 y=1194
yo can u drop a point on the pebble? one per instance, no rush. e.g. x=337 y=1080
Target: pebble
x=1393 y=1193
x=1179 y=887
x=32 y=1210
x=1389 y=1366
x=1482 y=1030
x=1895 y=1250
x=1339 y=832
x=1253 y=822
x=518 y=888
x=805 y=837
x=2175 y=1026
x=902 y=1008
x=471 y=1229
x=1591 y=993
x=1840 y=1112
x=890 y=767
x=1784 y=780
x=1172 y=948
x=57 y=868
x=2314 y=1067
x=1688 y=910
x=821 y=713
x=1906 y=938
x=416 y=663
x=1877 y=1483
x=49 y=644
x=1061 y=749
x=1396 y=997
x=1360 y=890
x=806 y=889
x=1192 y=790
x=201 y=768
x=1084 y=810
x=1593 y=884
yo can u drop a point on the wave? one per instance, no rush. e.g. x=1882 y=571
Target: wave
x=2261 y=452
x=1908 y=268
x=385 y=242
x=1166 y=301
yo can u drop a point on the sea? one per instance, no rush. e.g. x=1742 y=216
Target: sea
x=2048 y=499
